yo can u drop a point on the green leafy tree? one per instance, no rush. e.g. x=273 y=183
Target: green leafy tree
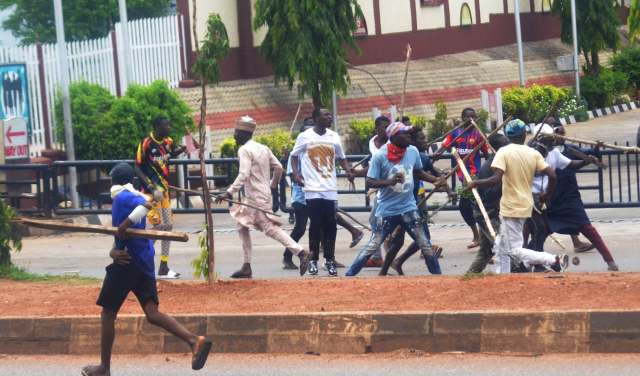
x=305 y=43
x=10 y=237
x=634 y=21
x=33 y=20
x=597 y=23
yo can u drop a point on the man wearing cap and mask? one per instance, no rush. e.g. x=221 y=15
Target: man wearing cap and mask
x=392 y=170
x=514 y=166
x=256 y=164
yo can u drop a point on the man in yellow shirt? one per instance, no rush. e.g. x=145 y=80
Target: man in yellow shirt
x=515 y=166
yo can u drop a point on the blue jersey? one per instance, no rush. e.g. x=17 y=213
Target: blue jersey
x=141 y=250
x=465 y=143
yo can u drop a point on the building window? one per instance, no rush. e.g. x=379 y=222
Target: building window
x=546 y=5
x=465 y=15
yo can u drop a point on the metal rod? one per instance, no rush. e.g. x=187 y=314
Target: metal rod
x=63 y=71
x=576 y=61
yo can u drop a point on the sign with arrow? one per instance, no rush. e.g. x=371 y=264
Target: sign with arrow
x=15 y=110
x=16 y=142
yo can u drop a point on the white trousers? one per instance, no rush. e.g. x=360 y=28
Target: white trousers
x=509 y=243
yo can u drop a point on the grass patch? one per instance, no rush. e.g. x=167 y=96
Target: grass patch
x=16 y=273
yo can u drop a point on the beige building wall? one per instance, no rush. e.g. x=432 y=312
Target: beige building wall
x=430 y=17
x=395 y=16
x=525 y=6
x=455 y=6
x=487 y=8
x=228 y=11
x=369 y=15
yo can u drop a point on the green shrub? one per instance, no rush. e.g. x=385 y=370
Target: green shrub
x=531 y=104
x=440 y=125
x=361 y=130
x=279 y=141
x=603 y=90
x=628 y=61
x=10 y=237
x=89 y=106
x=229 y=148
x=106 y=127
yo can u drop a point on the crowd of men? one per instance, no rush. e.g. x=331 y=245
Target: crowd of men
x=528 y=192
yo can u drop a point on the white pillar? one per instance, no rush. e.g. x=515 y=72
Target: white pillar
x=576 y=61
x=127 y=74
x=519 y=38
x=63 y=67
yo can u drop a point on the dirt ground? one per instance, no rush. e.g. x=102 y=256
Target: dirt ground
x=513 y=292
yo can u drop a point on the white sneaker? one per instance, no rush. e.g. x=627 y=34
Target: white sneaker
x=170 y=275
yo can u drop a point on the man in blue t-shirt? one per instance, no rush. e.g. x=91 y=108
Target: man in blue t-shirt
x=392 y=170
x=132 y=270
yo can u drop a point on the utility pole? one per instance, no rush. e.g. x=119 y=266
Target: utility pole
x=519 y=38
x=63 y=71
x=126 y=45
x=576 y=60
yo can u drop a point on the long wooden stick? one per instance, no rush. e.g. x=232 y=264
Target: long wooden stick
x=585 y=157
x=201 y=194
x=438 y=139
x=486 y=141
x=107 y=230
x=626 y=149
x=353 y=219
x=455 y=168
x=553 y=238
x=404 y=86
x=295 y=118
x=439 y=152
x=476 y=195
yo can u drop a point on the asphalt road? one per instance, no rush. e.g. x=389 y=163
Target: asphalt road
x=403 y=363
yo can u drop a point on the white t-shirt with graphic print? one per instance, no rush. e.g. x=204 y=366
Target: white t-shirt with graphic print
x=318 y=155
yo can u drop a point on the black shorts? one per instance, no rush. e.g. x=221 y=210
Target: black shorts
x=120 y=280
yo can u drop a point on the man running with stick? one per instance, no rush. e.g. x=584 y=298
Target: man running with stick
x=152 y=162
x=132 y=270
x=514 y=167
x=256 y=163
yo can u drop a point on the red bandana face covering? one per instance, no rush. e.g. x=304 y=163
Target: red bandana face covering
x=395 y=153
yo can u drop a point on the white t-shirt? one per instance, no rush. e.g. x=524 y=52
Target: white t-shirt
x=318 y=155
x=557 y=161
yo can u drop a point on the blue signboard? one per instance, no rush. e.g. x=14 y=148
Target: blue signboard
x=14 y=93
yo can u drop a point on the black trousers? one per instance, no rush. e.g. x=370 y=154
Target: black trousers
x=466 y=209
x=322 y=228
x=301 y=215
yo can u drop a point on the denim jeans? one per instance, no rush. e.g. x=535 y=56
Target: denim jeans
x=411 y=223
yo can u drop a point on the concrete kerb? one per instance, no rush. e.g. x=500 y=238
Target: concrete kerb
x=343 y=333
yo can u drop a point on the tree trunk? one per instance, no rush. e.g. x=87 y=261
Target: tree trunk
x=205 y=187
x=595 y=63
x=202 y=132
x=315 y=95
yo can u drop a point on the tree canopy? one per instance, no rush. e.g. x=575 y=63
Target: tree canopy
x=306 y=42
x=634 y=21
x=597 y=23
x=33 y=20
x=213 y=48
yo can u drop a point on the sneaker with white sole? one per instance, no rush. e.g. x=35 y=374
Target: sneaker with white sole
x=170 y=275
